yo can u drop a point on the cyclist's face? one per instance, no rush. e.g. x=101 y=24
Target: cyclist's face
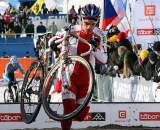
x=13 y=64
x=88 y=25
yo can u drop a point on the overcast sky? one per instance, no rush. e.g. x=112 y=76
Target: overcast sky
x=76 y=3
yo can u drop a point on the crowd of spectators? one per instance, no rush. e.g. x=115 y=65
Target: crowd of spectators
x=14 y=21
x=130 y=59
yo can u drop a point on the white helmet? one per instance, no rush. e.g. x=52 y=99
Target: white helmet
x=13 y=59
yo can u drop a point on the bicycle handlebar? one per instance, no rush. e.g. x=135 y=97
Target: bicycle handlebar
x=67 y=33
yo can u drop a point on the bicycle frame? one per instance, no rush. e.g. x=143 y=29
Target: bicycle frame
x=16 y=91
x=59 y=79
x=43 y=51
x=64 y=54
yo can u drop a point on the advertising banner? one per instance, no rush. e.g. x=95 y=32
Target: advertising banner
x=145 y=21
x=102 y=114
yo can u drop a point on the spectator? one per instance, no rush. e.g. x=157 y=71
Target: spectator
x=7 y=18
x=112 y=31
x=41 y=28
x=26 y=10
x=140 y=64
x=44 y=9
x=79 y=10
x=150 y=66
x=11 y=24
x=22 y=18
x=27 y=54
x=121 y=54
x=5 y=55
x=55 y=11
x=123 y=41
x=156 y=49
x=72 y=10
x=29 y=29
x=126 y=61
x=1 y=26
x=17 y=29
x=72 y=15
x=53 y=28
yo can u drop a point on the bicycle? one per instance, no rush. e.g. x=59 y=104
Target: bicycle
x=64 y=64
x=63 y=68
x=33 y=82
x=12 y=95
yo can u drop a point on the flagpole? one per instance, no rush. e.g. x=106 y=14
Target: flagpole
x=67 y=12
x=102 y=13
x=134 y=41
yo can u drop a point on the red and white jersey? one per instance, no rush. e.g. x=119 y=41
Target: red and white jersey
x=77 y=47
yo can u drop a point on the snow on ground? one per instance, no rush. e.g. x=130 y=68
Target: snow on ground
x=3 y=86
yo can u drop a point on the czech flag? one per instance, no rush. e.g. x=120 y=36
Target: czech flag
x=109 y=14
x=120 y=8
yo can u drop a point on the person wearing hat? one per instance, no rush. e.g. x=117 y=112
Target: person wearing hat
x=143 y=54
x=140 y=64
x=156 y=50
x=150 y=66
x=152 y=58
x=123 y=41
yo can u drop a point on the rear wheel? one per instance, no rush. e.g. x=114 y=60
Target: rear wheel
x=53 y=100
x=31 y=92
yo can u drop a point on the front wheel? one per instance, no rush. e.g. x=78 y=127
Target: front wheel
x=63 y=75
x=31 y=92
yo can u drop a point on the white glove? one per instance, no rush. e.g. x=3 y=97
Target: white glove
x=116 y=67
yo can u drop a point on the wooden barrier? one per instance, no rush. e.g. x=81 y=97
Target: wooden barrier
x=25 y=62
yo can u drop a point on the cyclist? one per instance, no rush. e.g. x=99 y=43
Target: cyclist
x=10 y=68
x=75 y=93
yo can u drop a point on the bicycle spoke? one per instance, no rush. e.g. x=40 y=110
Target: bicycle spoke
x=31 y=96
x=53 y=101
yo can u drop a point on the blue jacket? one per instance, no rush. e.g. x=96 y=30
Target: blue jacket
x=10 y=68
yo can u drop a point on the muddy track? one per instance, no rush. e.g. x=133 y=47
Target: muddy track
x=107 y=127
